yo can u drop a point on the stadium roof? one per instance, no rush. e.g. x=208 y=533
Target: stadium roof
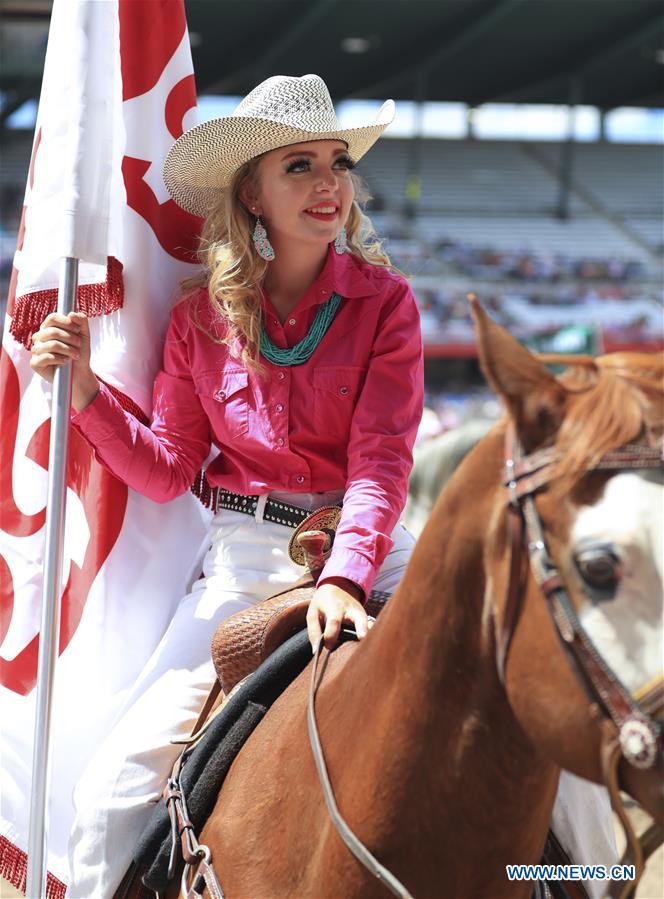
x=605 y=53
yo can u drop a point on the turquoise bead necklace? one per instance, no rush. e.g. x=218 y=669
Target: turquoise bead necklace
x=302 y=351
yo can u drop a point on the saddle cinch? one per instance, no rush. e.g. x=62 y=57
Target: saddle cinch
x=267 y=641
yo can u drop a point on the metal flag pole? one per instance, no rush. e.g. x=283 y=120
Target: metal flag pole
x=52 y=587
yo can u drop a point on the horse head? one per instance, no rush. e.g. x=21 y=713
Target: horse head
x=578 y=612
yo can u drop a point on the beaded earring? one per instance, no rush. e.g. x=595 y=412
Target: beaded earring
x=263 y=246
x=340 y=242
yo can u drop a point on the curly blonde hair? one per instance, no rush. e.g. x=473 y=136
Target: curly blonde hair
x=234 y=272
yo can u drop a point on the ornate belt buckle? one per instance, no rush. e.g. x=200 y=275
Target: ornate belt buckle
x=324 y=519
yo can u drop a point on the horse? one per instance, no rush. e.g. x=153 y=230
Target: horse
x=434 y=463
x=445 y=730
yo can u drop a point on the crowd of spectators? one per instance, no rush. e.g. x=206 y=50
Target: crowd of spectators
x=456 y=258
x=620 y=313
x=530 y=293
x=525 y=265
x=552 y=302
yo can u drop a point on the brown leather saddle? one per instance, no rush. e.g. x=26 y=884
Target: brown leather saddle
x=247 y=638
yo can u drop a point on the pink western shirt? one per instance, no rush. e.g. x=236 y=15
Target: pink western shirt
x=345 y=419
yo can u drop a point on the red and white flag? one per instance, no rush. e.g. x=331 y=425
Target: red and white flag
x=118 y=88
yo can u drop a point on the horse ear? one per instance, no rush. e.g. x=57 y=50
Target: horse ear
x=534 y=398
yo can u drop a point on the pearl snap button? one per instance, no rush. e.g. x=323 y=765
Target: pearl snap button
x=279 y=407
x=292 y=321
x=281 y=376
x=221 y=394
x=344 y=391
x=280 y=441
x=300 y=479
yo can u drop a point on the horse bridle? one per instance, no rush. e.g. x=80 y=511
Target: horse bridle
x=640 y=735
x=629 y=728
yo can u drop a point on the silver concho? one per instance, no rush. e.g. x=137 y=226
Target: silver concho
x=638 y=742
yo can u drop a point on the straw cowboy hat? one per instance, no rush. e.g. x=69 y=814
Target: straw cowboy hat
x=280 y=111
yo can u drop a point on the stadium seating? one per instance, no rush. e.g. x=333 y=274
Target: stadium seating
x=506 y=194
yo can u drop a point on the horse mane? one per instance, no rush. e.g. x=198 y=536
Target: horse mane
x=611 y=400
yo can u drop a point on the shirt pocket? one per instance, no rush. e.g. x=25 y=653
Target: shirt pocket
x=225 y=398
x=336 y=389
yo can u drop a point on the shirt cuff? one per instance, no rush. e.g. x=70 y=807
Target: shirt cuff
x=97 y=419
x=351 y=565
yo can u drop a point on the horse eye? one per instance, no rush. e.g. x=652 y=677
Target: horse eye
x=600 y=569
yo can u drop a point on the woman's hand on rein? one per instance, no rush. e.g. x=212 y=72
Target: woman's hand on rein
x=61 y=339
x=334 y=603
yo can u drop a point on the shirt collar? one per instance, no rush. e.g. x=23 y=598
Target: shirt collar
x=341 y=274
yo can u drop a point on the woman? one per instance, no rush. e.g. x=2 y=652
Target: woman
x=300 y=360
x=310 y=400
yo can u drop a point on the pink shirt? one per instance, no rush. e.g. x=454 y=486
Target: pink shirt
x=345 y=419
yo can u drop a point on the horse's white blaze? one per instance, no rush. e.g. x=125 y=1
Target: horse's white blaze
x=628 y=630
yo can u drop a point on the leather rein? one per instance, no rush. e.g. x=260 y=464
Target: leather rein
x=628 y=724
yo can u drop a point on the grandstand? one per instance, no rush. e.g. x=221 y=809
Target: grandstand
x=505 y=194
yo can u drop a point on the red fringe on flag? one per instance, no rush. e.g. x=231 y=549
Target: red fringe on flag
x=14 y=868
x=202 y=490
x=30 y=309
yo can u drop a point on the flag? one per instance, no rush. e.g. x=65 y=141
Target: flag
x=118 y=88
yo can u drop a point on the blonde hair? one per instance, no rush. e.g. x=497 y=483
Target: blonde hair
x=234 y=272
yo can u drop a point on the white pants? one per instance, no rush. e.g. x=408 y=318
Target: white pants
x=247 y=562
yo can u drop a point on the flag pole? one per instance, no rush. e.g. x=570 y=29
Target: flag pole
x=51 y=590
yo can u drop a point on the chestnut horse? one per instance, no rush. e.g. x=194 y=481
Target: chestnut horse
x=446 y=771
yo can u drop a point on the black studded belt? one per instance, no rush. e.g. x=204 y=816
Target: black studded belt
x=275 y=511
